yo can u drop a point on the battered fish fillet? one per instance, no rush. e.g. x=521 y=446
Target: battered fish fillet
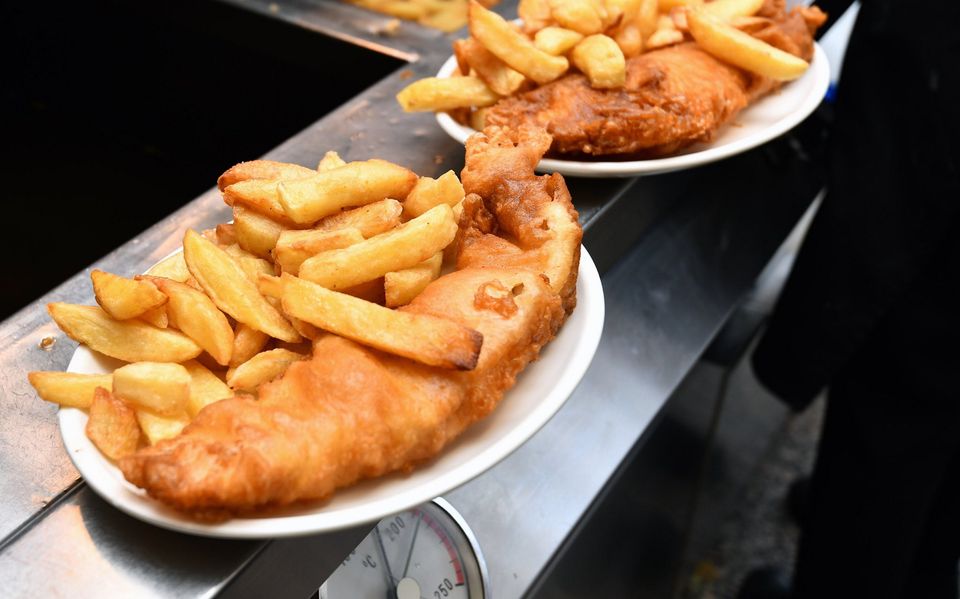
x=351 y=412
x=672 y=98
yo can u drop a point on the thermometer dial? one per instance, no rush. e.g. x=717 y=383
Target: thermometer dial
x=428 y=552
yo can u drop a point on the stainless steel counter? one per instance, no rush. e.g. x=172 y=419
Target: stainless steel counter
x=677 y=253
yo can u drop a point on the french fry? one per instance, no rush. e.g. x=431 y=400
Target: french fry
x=666 y=6
x=330 y=161
x=679 y=18
x=372 y=291
x=172 y=267
x=630 y=40
x=112 y=425
x=647 y=13
x=512 y=47
x=160 y=387
x=199 y=318
x=621 y=11
x=251 y=265
x=230 y=288
x=261 y=368
x=429 y=192
x=294 y=247
x=370 y=220
x=403 y=247
x=261 y=195
x=478 y=119
x=402 y=286
x=663 y=37
x=157 y=428
x=494 y=72
x=426 y=339
x=205 y=387
x=157 y=317
x=127 y=340
x=730 y=9
x=740 y=49
x=124 y=298
x=440 y=94
x=556 y=40
x=309 y=199
x=255 y=232
x=535 y=14
x=68 y=388
x=226 y=235
x=582 y=16
x=270 y=286
x=601 y=60
x=247 y=342
x=261 y=169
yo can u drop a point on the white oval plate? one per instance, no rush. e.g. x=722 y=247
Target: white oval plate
x=760 y=122
x=540 y=391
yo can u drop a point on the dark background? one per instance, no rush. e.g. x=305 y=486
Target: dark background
x=115 y=114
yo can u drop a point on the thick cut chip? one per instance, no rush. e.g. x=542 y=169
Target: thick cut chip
x=556 y=40
x=402 y=286
x=231 y=289
x=512 y=47
x=439 y=94
x=262 y=368
x=226 y=234
x=408 y=245
x=124 y=298
x=309 y=199
x=535 y=14
x=330 y=161
x=68 y=388
x=583 y=16
x=251 y=265
x=426 y=339
x=370 y=220
x=127 y=340
x=172 y=267
x=429 y=192
x=205 y=387
x=159 y=387
x=157 y=428
x=647 y=14
x=260 y=195
x=112 y=425
x=157 y=317
x=630 y=40
x=247 y=342
x=602 y=61
x=261 y=169
x=495 y=73
x=742 y=50
x=294 y=247
x=668 y=5
x=729 y=9
x=255 y=232
x=196 y=315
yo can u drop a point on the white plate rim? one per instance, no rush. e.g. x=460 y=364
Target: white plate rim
x=582 y=331
x=817 y=78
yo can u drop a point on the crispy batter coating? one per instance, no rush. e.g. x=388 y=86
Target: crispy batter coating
x=351 y=412
x=672 y=98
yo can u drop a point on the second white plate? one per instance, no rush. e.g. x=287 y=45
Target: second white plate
x=759 y=123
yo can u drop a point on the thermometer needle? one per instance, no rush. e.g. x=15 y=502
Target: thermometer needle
x=413 y=539
x=387 y=574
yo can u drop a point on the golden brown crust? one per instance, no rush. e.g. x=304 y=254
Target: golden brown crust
x=351 y=412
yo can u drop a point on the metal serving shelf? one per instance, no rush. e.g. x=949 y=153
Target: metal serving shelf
x=677 y=253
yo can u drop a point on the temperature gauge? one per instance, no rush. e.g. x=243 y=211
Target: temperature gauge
x=428 y=552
